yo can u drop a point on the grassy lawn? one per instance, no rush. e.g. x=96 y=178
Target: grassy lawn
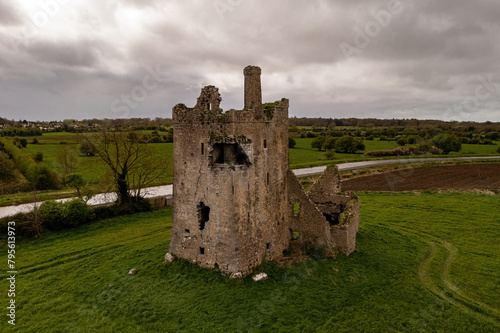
x=424 y=262
x=471 y=150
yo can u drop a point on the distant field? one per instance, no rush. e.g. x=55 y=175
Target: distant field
x=95 y=172
x=304 y=156
x=423 y=263
x=91 y=167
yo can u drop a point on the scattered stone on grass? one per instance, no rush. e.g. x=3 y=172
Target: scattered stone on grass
x=260 y=277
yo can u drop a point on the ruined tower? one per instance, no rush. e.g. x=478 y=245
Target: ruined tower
x=232 y=201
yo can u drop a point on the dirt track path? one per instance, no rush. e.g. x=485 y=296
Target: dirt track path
x=443 y=287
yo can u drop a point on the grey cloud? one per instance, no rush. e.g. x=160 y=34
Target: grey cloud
x=65 y=53
x=426 y=59
x=8 y=14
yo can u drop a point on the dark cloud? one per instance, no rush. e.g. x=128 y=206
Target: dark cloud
x=426 y=59
x=65 y=53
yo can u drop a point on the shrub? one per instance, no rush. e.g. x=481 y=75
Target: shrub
x=77 y=212
x=58 y=215
x=405 y=151
x=426 y=148
x=474 y=141
x=136 y=206
x=348 y=144
x=412 y=139
x=399 y=151
x=26 y=224
x=38 y=157
x=370 y=138
x=486 y=142
x=402 y=141
x=7 y=168
x=86 y=148
x=42 y=177
x=155 y=139
x=35 y=141
x=23 y=142
x=170 y=135
x=447 y=143
x=498 y=150
x=52 y=214
x=329 y=143
x=291 y=143
x=330 y=155
x=318 y=142
x=493 y=136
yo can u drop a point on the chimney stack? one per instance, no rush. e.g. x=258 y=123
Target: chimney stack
x=253 y=91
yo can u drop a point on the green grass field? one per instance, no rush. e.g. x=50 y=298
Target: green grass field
x=91 y=168
x=96 y=173
x=303 y=155
x=424 y=262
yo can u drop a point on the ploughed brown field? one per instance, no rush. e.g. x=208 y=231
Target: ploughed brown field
x=459 y=177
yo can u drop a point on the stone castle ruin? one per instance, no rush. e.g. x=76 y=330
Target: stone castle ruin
x=236 y=201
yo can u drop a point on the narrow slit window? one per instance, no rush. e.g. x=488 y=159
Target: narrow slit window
x=202 y=250
x=203 y=148
x=203 y=215
x=267 y=180
x=265 y=143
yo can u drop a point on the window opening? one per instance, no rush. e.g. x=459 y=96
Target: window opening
x=230 y=153
x=333 y=219
x=203 y=215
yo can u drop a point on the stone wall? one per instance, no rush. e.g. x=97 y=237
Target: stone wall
x=234 y=196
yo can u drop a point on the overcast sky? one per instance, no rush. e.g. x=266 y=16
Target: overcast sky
x=426 y=59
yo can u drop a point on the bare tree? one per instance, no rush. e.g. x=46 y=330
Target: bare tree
x=132 y=161
x=67 y=158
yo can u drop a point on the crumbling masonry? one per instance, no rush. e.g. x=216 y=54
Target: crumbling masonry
x=236 y=202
